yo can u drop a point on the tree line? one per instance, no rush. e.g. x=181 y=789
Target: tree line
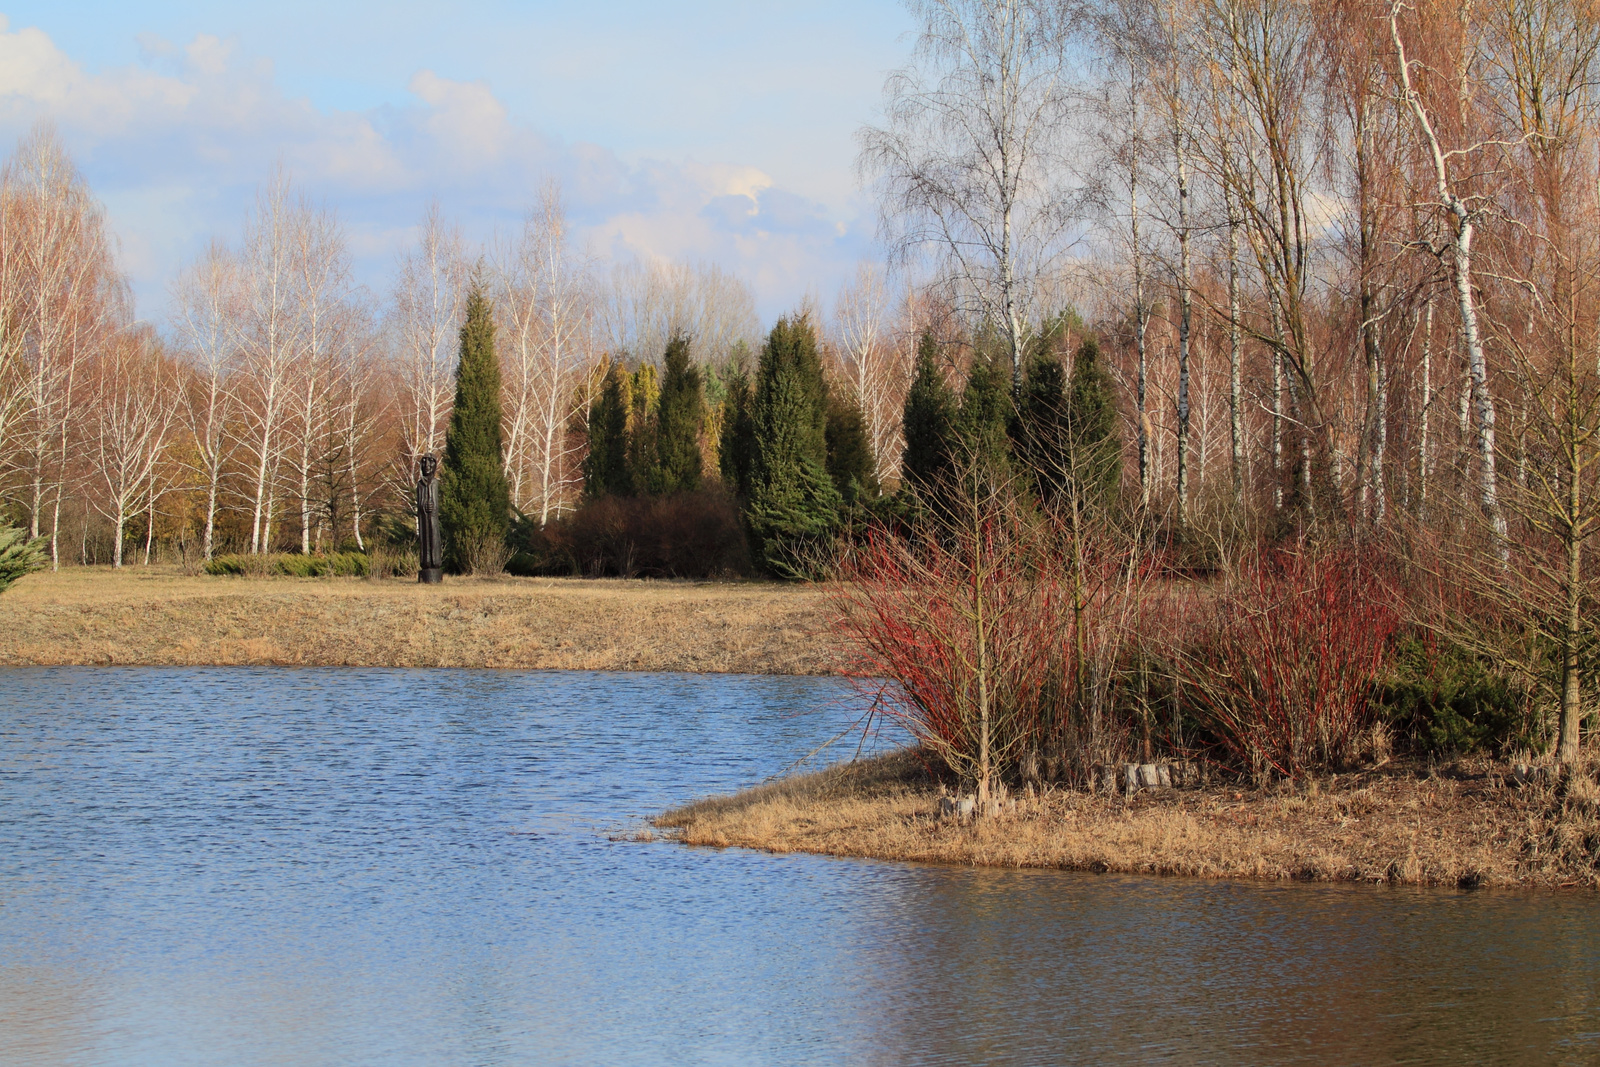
x=282 y=407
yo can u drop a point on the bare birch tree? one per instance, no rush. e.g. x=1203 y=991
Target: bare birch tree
x=326 y=313
x=874 y=366
x=545 y=302
x=206 y=320
x=134 y=408
x=1462 y=210
x=970 y=157
x=69 y=301
x=269 y=341
x=429 y=300
x=647 y=303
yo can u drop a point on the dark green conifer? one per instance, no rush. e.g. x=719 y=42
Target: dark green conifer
x=680 y=416
x=1092 y=438
x=605 y=469
x=736 y=449
x=927 y=422
x=643 y=459
x=850 y=461
x=1039 y=432
x=19 y=556
x=984 y=418
x=793 y=506
x=474 y=499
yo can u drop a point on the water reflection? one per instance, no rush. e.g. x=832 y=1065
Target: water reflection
x=309 y=866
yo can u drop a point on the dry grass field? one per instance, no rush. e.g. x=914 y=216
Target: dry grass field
x=1468 y=826
x=159 y=616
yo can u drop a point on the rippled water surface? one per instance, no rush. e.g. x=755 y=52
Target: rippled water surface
x=234 y=866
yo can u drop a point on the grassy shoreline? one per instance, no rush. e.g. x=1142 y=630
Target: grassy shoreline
x=159 y=616
x=1469 y=824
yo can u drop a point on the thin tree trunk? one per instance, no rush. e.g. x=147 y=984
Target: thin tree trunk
x=211 y=513
x=1423 y=458
x=1380 y=443
x=61 y=472
x=1185 y=300
x=1277 y=403
x=150 y=525
x=1140 y=318
x=1235 y=371
x=1462 y=230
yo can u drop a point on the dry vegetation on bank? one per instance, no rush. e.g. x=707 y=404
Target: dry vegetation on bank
x=159 y=617
x=1467 y=824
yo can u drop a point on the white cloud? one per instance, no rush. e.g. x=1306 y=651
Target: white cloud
x=177 y=143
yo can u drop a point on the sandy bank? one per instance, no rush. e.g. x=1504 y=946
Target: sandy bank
x=160 y=617
x=1469 y=825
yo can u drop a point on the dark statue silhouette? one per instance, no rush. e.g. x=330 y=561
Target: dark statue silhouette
x=430 y=546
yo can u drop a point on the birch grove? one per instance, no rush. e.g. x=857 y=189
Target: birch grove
x=546 y=305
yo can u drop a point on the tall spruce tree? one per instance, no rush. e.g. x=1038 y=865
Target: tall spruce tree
x=850 y=462
x=474 y=499
x=737 y=447
x=984 y=419
x=1094 y=445
x=1039 y=431
x=793 y=508
x=928 y=423
x=605 y=469
x=642 y=458
x=680 y=416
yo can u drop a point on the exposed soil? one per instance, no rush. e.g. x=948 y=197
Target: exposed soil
x=160 y=617
x=1468 y=824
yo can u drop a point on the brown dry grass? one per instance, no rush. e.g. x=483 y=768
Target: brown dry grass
x=1470 y=826
x=159 y=617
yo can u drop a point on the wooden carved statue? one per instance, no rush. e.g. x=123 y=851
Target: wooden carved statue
x=430 y=545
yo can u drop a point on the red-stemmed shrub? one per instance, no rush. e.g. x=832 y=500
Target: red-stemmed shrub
x=1281 y=667
x=994 y=642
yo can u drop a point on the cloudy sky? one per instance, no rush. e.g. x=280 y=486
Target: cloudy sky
x=719 y=130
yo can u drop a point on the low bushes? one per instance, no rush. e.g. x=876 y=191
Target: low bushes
x=1023 y=648
x=1280 y=669
x=1001 y=641
x=293 y=565
x=685 y=535
x=1444 y=701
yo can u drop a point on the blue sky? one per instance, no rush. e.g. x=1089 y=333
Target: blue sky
x=719 y=131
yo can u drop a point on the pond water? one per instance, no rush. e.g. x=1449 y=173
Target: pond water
x=283 y=866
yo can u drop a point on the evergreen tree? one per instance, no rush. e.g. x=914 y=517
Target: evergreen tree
x=474 y=499
x=19 y=556
x=642 y=457
x=1094 y=445
x=1039 y=432
x=680 y=416
x=793 y=506
x=737 y=445
x=927 y=423
x=850 y=462
x=605 y=469
x=984 y=419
